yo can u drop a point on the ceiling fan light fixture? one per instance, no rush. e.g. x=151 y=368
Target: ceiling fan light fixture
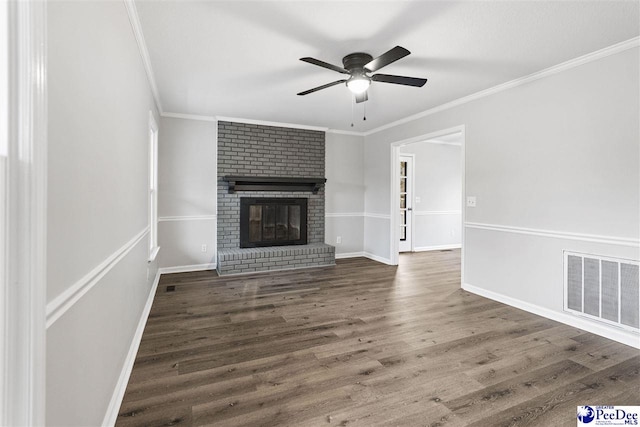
x=358 y=84
x=357 y=65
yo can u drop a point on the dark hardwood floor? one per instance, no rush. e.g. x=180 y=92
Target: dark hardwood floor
x=363 y=344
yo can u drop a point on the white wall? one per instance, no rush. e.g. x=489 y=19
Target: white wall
x=99 y=103
x=187 y=193
x=344 y=193
x=376 y=198
x=559 y=153
x=437 y=220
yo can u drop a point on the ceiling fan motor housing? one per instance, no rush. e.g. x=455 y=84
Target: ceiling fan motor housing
x=355 y=62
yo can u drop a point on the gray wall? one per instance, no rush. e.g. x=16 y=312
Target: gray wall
x=187 y=193
x=559 y=153
x=99 y=103
x=345 y=193
x=437 y=219
x=257 y=150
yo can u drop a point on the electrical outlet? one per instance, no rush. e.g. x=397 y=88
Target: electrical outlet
x=471 y=201
x=338 y=240
x=417 y=199
x=204 y=248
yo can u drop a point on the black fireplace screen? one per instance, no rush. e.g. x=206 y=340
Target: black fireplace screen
x=273 y=222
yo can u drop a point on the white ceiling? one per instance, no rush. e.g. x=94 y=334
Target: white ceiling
x=241 y=58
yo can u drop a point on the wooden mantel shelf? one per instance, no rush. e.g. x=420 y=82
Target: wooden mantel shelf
x=273 y=183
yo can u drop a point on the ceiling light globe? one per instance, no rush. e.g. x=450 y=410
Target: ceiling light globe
x=358 y=84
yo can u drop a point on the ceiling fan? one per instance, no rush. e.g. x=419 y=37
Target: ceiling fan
x=358 y=65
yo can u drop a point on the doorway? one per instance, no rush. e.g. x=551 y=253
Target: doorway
x=415 y=209
x=406 y=202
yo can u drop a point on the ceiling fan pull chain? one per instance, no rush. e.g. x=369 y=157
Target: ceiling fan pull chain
x=364 y=115
x=353 y=102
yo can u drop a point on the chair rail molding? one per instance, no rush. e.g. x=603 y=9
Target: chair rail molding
x=377 y=215
x=187 y=218
x=426 y=213
x=343 y=214
x=592 y=238
x=63 y=302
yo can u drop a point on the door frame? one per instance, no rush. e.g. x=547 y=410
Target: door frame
x=23 y=285
x=412 y=177
x=395 y=185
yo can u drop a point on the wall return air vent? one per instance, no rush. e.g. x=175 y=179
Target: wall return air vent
x=602 y=288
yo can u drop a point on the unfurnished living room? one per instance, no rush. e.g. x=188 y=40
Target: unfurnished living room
x=319 y=213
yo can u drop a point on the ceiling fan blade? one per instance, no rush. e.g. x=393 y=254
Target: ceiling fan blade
x=315 y=89
x=387 y=58
x=399 y=80
x=324 y=65
x=361 y=97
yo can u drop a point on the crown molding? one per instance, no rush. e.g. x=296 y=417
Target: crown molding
x=567 y=65
x=242 y=120
x=572 y=63
x=258 y=122
x=267 y=123
x=144 y=52
x=188 y=117
x=345 y=132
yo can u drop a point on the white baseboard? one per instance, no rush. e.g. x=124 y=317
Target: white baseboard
x=613 y=333
x=121 y=386
x=377 y=258
x=437 y=248
x=349 y=255
x=187 y=268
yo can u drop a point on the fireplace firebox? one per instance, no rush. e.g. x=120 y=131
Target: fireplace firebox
x=272 y=222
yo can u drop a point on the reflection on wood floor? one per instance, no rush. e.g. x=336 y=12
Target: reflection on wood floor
x=363 y=344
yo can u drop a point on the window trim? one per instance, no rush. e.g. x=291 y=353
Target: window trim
x=153 y=188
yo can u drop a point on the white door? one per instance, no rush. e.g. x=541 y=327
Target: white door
x=406 y=203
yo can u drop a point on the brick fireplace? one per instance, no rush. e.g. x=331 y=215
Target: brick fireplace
x=285 y=163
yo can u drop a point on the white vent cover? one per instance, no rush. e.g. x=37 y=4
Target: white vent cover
x=602 y=288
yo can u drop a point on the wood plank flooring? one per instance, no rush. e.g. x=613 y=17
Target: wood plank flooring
x=363 y=344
